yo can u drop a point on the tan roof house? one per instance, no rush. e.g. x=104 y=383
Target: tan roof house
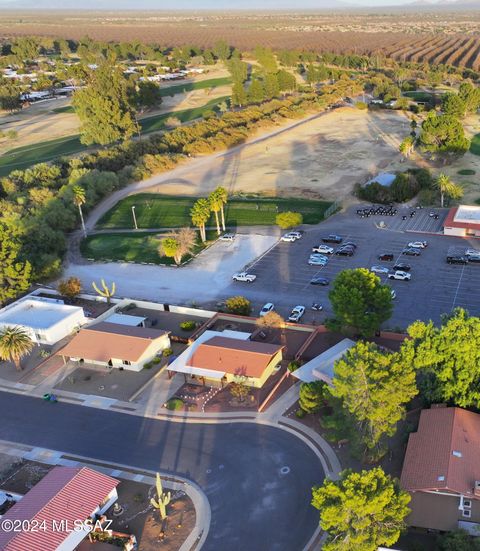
x=441 y=470
x=115 y=345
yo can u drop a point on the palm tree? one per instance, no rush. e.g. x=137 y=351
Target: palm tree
x=79 y=200
x=200 y=213
x=447 y=187
x=14 y=345
x=223 y=197
x=216 y=204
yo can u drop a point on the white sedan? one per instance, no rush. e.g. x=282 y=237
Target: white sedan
x=379 y=269
x=296 y=314
x=269 y=307
x=400 y=276
x=418 y=244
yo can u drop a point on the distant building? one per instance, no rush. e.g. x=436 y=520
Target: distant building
x=115 y=345
x=46 y=321
x=441 y=470
x=463 y=221
x=58 y=506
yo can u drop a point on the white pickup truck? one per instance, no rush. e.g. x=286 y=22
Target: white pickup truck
x=402 y=276
x=244 y=276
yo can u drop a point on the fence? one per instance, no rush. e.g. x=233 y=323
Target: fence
x=336 y=205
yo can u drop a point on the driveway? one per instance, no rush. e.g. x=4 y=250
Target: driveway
x=239 y=465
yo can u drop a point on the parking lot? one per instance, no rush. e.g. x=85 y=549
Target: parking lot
x=283 y=275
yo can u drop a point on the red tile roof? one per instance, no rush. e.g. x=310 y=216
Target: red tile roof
x=444 y=453
x=451 y=223
x=65 y=493
x=234 y=356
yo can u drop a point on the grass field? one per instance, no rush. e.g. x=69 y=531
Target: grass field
x=196 y=85
x=157 y=211
x=131 y=247
x=23 y=157
x=475 y=145
x=419 y=95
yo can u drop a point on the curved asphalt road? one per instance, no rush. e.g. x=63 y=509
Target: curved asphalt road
x=237 y=465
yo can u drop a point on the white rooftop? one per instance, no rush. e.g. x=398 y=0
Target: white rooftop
x=321 y=368
x=37 y=314
x=468 y=214
x=125 y=319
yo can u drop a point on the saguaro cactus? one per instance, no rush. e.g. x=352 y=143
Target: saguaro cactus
x=105 y=291
x=163 y=499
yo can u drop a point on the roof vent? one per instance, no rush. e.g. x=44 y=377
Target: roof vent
x=456 y=453
x=441 y=478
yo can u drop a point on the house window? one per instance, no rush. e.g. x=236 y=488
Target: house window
x=467 y=504
x=126 y=362
x=466 y=513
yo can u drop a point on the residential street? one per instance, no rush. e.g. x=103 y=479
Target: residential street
x=238 y=465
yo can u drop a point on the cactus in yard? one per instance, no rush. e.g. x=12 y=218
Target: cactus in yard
x=106 y=292
x=163 y=499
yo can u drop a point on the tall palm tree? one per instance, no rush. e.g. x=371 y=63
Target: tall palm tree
x=200 y=213
x=14 y=345
x=79 y=200
x=447 y=187
x=223 y=197
x=216 y=205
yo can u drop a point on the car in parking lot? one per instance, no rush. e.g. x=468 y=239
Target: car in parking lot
x=268 y=307
x=296 y=314
x=385 y=256
x=317 y=261
x=319 y=281
x=410 y=251
x=472 y=252
x=379 y=269
x=244 y=276
x=345 y=251
x=291 y=237
x=418 y=244
x=349 y=244
x=400 y=276
x=402 y=267
x=227 y=237
x=473 y=258
x=325 y=249
x=457 y=259
x=332 y=238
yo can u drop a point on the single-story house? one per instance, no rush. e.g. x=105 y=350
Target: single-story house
x=221 y=357
x=321 y=368
x=441 y=470
x=46 y=321
x=463 y=221
x=115 y=345
x=58 y=506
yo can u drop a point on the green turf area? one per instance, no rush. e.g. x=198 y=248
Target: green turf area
x=23 y=157
x=130 y=247
x=162 y=211
x=65 y=109
x=466 y=172
x=475 y=145
x=197 y=85
x=418 y=95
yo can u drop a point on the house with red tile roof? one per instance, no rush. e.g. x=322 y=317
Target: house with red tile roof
x=441 y=470
x=463 y=221
x=53 y=515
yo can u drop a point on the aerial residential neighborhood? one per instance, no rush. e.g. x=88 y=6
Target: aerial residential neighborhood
x=239 y=275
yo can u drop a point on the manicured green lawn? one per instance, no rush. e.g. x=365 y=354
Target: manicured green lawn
x=64 y=109
x=23 y=157
x=197 y=85
x=164 y=211
x=475 y=145
x=466 y=172
x=418 y=95
x=133 y=247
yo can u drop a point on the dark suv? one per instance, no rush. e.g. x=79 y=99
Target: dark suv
x=385 y=256
x=457 y=260
x=332 y=238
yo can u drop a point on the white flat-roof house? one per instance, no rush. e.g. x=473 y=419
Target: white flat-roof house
x=463 y=221
x=46 y=321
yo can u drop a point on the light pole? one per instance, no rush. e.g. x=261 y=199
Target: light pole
x=134 y=217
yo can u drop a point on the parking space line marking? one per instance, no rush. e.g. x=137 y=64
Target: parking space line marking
x=458 y=286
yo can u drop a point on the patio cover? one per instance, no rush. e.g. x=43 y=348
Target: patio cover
x=198 y=371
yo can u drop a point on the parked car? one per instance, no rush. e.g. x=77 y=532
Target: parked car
x=418 y=244
x=410 y=251
x=268 y=307
x=401 y=276
x=385 y=256
x=457 y=259
x=473 y=258
x=472 y=252
x=401 y=266
x=296 y=314
x=349 y=244
x=317 y=261
x=347 y=251
x=227 y=237
x=379 y=269
x=332 y=238
x=297 y=234
x=289 y=238
x=244 y=276
x=319 y=281
x=325 y=249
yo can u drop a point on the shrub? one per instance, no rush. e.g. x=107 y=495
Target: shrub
x=166 y=353
x=288 y=219
x=293 y=366
x=361 y=105
x=148 y=365
x=157 y=360
x=300 y=413
x=188 y=325
x=238 y=305
x=174 y=404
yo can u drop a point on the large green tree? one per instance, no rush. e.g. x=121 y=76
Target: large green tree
x=105 y=107
x=452 y=104
x=447 y=358
x=360 y=301
x=311 y=397
x=470 y=95
x=374 y=387
x=15 y=274
x=361 y=511
x=443 y=134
